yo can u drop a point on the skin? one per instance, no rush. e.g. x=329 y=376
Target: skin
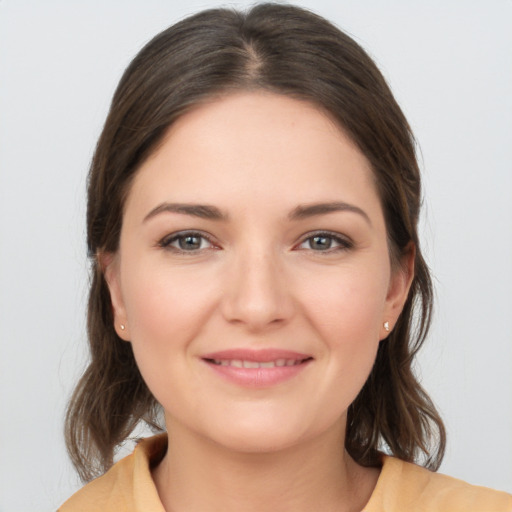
x=257 y=280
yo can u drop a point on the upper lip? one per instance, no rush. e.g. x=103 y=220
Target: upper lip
x=256 y=355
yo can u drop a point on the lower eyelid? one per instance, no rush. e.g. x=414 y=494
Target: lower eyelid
x=166 y=242
x=342 y=242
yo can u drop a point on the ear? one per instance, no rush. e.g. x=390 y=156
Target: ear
x=109 y=264
x=402 y=276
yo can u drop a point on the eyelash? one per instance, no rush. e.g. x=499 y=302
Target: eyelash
x=166 y=242
x=344 y=243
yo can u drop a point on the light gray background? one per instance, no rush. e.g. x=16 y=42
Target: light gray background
x=450 y=66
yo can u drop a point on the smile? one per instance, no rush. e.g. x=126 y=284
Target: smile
x=257 y=368
x=239 y=363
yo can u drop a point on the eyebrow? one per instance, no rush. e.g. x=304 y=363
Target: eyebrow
x=203 y=211
x=210 y=212
x=311 y=210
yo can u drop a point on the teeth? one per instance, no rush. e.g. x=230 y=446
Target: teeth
x=238 y=363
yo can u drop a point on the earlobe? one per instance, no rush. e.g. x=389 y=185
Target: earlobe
x=109 y=265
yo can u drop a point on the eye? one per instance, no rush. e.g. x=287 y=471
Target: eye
x=186 y=241
x=323 y=242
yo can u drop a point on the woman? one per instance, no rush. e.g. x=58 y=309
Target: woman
x=252 y=214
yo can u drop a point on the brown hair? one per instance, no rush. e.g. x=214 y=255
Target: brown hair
x=289 y=51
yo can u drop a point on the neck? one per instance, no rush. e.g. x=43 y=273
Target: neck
x=198 y=475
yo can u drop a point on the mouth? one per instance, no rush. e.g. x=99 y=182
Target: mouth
x=244 y=363
x=257 y=368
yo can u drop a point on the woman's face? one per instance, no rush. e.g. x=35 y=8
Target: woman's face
x=253 y=275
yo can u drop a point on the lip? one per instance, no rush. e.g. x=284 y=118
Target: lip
x=229 y=364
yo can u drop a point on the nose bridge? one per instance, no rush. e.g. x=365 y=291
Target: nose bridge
x=257 y=294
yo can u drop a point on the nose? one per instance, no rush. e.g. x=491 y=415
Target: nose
x=257 y=294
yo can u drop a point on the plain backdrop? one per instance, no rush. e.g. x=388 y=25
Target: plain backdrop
x=449 y=64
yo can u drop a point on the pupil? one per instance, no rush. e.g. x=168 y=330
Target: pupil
x=189 y=243
x=321 y=242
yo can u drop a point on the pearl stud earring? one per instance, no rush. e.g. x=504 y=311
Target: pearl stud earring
x=386 y=326
x=122 y=327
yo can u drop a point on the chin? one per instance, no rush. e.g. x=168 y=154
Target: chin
x=262 y=434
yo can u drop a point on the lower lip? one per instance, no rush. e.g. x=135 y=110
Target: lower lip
x=258 y=377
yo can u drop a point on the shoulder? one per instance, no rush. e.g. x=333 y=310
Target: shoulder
x=405 y=486
x=126 y=486
x=112 y=491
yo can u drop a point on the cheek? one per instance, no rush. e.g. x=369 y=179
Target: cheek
x=166 y=310
x=348 y=306
x=165 y=314
x=347 y=313
x=162 y=301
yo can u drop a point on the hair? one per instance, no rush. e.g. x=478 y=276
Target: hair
x=285 y=50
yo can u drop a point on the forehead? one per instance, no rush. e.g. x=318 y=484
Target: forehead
x=255 y=146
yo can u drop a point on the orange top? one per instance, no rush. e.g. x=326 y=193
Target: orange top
x=402 y=487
